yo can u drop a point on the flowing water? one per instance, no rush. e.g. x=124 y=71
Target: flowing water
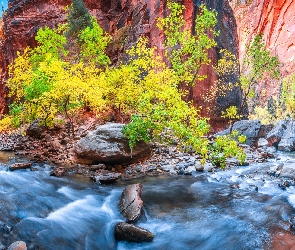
x=236 y=209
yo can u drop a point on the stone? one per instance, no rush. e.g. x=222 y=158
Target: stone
x=283 y=135
x=167 y=168
x=58 y=172
x=131 y=203
x=249 y=128
x=262 y=142
x=275 y=135
x=35 y=130
x=18 y=245
x=288 y=170
x=130 y=232
x=208 y=167
x=18 y=166
x=199 y=167
x=106 y=177
x=107 y=144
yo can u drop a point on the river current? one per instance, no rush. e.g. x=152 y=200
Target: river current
x=237 y=209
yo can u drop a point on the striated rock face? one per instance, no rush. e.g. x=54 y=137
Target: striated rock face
x=126 y=19
x=276 y=20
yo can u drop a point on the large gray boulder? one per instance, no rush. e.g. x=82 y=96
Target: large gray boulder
x=130 y=232
x=108 y=144
x=283 y=135
x=249 y=128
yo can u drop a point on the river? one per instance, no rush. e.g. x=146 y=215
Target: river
x=237 y=209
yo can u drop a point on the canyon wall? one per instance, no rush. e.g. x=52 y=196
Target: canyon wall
x=275 y=19
x=125 y=19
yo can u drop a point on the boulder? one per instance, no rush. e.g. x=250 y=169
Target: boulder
x=18 y=166
x=131 y=203
x=283 y=135
x=108 y=144
x=288 y=170
x=35 y=130
x=130 y=232
x=249 y=128
x=18 y=245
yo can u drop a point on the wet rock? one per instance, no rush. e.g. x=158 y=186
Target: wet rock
x=262 y=142
x=108 y=144
x=208 y=167
x=58 y=172
x=130 y=232
x=131 y=203
x=35 y=130
x=181 y=171
x=189 y=170
x=284 y=185
x=18 y=245
x=106 y=177
x=18 y=166
x=199 y=167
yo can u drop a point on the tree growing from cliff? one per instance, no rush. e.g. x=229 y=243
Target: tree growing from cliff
x=257 y=64
x=184 y=51
x=79 y=17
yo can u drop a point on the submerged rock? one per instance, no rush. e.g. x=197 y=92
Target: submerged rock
x=58 y=172
x=18 y=245
x=18 y=166
x=131 y=203
x=108 y=144
x=130 y=232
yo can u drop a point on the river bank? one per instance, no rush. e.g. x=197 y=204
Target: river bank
x=242 y=206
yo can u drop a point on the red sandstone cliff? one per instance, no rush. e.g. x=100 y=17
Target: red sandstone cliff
x=276 y=20
x=24 y=17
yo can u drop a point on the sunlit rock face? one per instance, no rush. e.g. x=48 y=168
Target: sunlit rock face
x=275 y=19
x=24 y=17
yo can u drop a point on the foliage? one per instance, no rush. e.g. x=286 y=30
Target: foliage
x=94 y=42
x=227 y=69
x=48 y=82
x=257 y=64
x=225 y=146
x=78 y=18
x=187 y=52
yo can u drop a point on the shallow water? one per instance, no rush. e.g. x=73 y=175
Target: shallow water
x=204 y=211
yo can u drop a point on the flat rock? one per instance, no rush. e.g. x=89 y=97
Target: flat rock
x=18 y=245
x=18 y=166
x=107 y=144
x=131 y=203
x=130 y=232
